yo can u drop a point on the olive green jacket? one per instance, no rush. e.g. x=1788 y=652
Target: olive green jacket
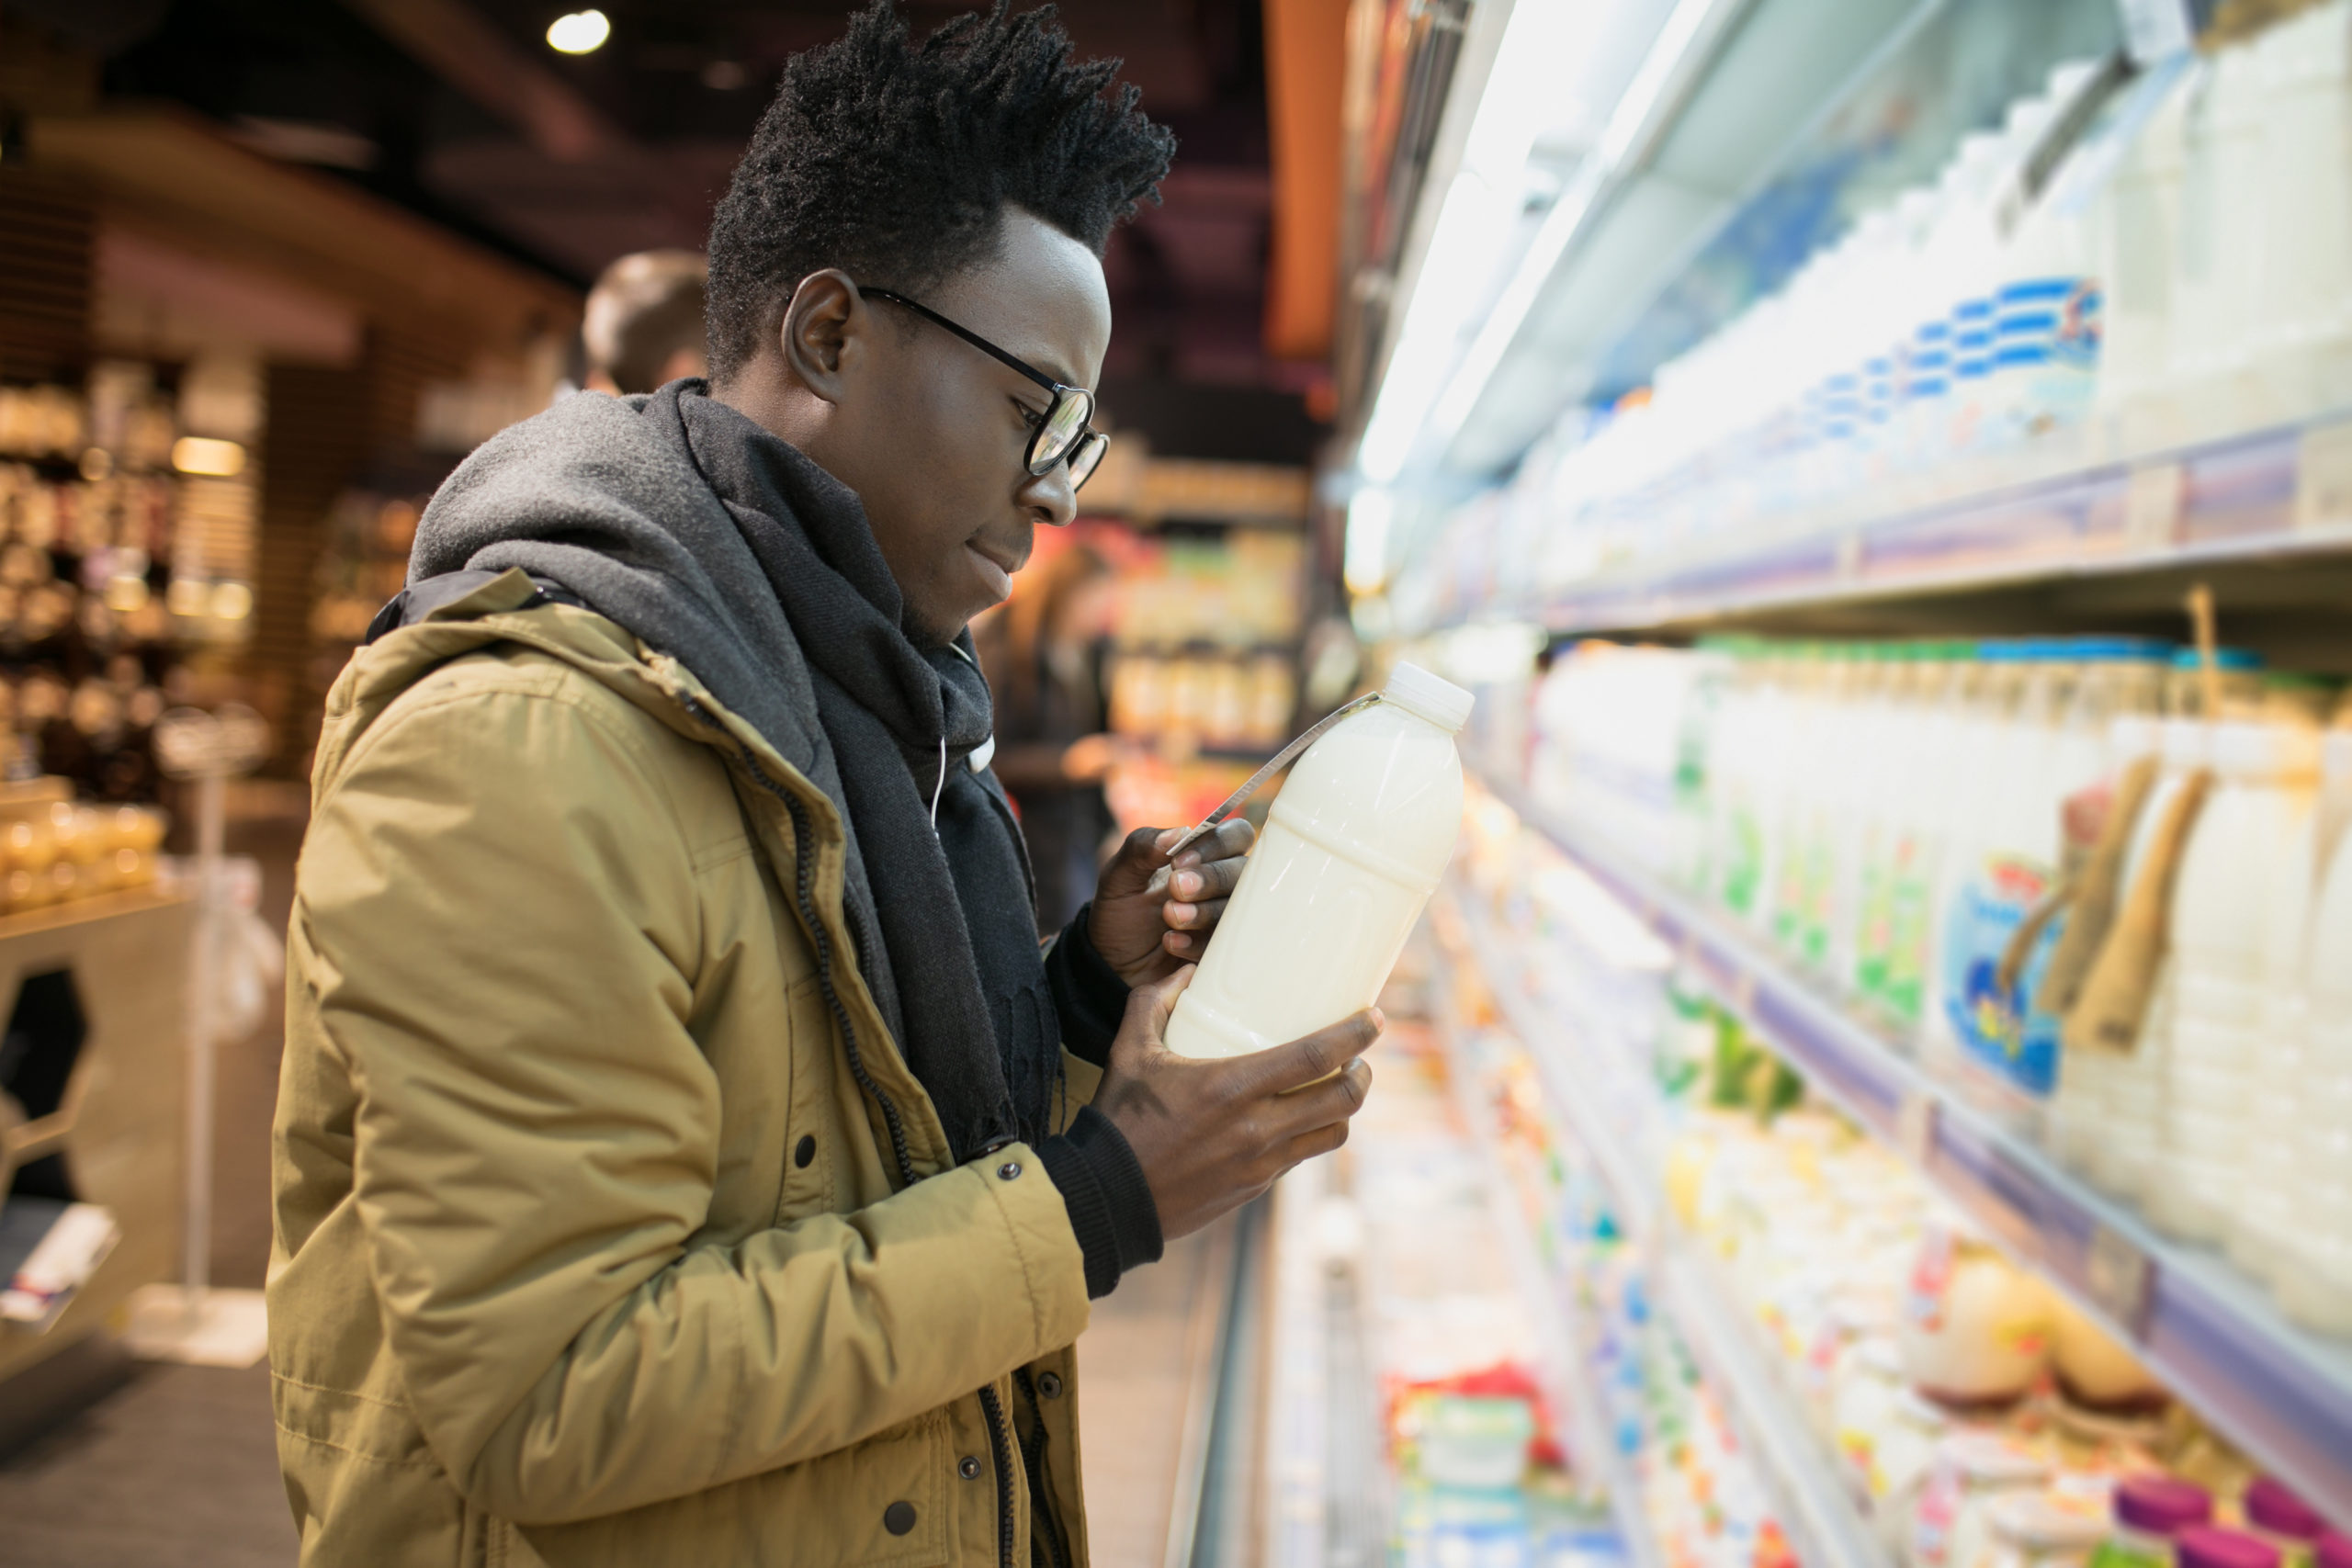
x=590 y=1248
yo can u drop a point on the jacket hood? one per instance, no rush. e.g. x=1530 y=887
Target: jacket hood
x=598 y=493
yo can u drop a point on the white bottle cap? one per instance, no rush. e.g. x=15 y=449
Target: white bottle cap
x=1425 y=695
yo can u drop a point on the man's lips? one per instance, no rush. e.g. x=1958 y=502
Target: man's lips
x=995 y=570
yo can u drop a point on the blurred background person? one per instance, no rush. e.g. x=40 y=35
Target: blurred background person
x=1044 y=654
x=642 y=327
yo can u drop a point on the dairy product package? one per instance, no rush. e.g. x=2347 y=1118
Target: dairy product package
x=1353 y=847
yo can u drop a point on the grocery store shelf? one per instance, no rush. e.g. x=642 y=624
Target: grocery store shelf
x=1825 y=1529
x=2284 y=1393
x=2264 y=506
x=1295 y=1523
x=1567 y=1372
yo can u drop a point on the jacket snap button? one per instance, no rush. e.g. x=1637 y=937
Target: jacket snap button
x=968 y=1468
x=1007 y=1170
x=898 y=1517
x=806 y=1151
x=1050 y=1384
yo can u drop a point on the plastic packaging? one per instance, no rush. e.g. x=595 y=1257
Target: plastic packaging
x=2149 y=1511
x=2285 y=1520
x=2235 y=922
x=1353 y=847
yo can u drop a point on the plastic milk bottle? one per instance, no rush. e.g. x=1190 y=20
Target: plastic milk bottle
x=1353 y=847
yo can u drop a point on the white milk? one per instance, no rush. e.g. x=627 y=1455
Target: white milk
x=2232 y=904
x=2306 y=245
x=1936 y=760
x=2270 y=1212
x=1968 y=800
x=1353 y=848
x=2316 y=1288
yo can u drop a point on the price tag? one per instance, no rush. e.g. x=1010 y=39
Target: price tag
x=2324 y=477
x=1915 y=1125
x=2153 y=498
x=2122 y=1279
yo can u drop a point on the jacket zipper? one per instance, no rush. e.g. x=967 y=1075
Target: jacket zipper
x=1000 y=1449
x=1000 y=1442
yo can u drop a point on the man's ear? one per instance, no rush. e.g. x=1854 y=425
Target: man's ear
x=823 y=330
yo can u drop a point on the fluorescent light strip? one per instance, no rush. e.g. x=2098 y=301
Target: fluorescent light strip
x=1628 y=126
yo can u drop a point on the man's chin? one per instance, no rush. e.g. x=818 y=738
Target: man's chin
x=928 y=631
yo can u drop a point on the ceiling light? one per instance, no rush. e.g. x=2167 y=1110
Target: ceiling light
x=579 y=32
x=1633 y=118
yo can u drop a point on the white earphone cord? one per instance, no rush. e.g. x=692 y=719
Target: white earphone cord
x=940 y=787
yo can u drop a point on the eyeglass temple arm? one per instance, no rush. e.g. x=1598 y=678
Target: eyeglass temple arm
x=983 y=344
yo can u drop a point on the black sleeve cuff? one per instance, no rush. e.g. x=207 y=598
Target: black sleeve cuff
x=1111 y=1207
x=1088 y=993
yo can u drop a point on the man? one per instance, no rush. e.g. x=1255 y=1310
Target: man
x=643 y=325
x=685 y=1153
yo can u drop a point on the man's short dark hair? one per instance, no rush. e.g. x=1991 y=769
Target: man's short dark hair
x=895 y=161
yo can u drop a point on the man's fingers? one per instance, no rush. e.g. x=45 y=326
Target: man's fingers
x=1335 y=1098
x=1319 y=1055
x=1229 y=839
x=1141 y=853
x=1306 y=1146
x=1192 y=884
x=1192 y=917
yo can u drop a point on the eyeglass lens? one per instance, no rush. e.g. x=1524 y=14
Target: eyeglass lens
x=1065 y=423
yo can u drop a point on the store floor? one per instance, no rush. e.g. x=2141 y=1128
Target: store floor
x=177 y=1467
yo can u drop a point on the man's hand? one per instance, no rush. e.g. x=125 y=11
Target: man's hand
x=1213 y=1134
x=1149 y=916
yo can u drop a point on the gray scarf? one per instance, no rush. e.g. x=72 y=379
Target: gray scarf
x=711 y=539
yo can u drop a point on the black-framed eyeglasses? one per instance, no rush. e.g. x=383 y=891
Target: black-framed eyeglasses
x=1065 y=432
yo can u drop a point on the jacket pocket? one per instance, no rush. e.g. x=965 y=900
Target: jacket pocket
x=883 y=1503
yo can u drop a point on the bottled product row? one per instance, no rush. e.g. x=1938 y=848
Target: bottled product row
x=1866 y=1378
x=2132 y=267
x=2088 y=883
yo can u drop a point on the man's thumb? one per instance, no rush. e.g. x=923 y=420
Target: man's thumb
x=1155 y=1002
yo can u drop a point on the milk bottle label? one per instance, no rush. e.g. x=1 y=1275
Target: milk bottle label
x=1994 y=1023
x=1742 y=861
x=1909 y=908
x=1873 y=927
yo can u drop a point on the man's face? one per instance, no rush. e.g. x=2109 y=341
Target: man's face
x=931 y=432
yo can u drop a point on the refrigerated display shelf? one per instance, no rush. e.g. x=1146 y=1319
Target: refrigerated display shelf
x=2282 y=1393
x=1825 y=1527
x=2275 y=497
x=1296 y=1519
x=1567 y=1372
